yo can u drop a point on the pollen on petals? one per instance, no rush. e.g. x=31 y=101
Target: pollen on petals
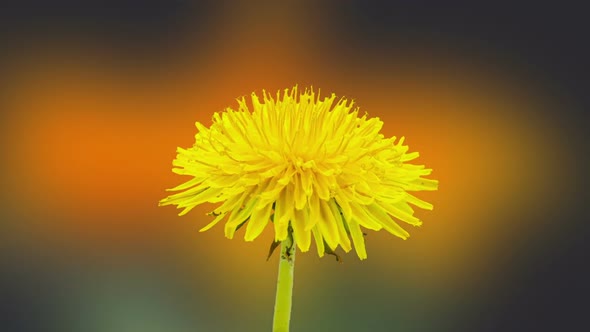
x=308 y=166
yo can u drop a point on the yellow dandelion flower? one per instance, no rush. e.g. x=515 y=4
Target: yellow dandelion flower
x=309 y=167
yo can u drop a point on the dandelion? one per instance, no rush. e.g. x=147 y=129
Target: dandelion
x=308 y=167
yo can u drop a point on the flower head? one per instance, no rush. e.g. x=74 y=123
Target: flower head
x=309 y=167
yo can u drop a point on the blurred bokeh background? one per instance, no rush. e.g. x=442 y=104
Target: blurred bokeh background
x=96 y=97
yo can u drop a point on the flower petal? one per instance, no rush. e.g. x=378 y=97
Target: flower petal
x=213 y=223
x=383 y=218
x=327 y=225
x=419 y=203
x=319 y=241
x=258 y=220
x=299 y=194
x=397 y=211
x=357 y=238
x=302 y=237
x=343 y=235
x=283 y=213
x=238 y=216
x=314 y=212
x=360 y=215
x=322 y=187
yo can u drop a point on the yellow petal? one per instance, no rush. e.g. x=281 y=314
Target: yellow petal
x=238 y=216
x=397 y=211
x=391 y=226
x=302 y=237
x=357 y=238
x=327 y=225
x=314 y=212
x=307 y=182
x=231 y=202
x=186 y=185
x=222 y=181
x=257 y=222
x=185 y=195
x=283 y=213
x=319 y=241
x=207 y=195
x=344 y=240
x=213 y=223
x=418 y=202
x=359 y=214
x=322 y=187
x=299 y=194
x=344 y=205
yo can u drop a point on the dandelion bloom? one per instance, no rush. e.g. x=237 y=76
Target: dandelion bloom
x=305 y=165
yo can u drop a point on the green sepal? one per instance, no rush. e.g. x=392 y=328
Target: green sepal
x=329 y=251
x=273 y=246
x=242 y=224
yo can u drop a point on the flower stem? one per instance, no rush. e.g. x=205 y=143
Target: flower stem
x=282 y=314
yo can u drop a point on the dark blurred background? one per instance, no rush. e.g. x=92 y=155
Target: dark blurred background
x=96 y=96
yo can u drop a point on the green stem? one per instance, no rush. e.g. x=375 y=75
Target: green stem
x=282 y=314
